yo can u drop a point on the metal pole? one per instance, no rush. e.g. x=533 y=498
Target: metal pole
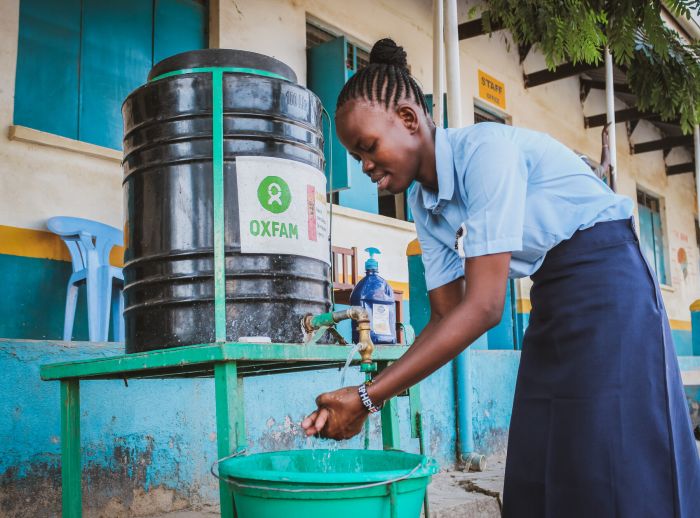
x=454 y=98
x=610 y=105
x=697 y=166
x=465 y=432
x=438 y=63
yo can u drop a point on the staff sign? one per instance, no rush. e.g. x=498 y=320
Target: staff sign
x=492 y=90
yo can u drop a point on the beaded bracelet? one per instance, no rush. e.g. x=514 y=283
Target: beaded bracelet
x=366 y=400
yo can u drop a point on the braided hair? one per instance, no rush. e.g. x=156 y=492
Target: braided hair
x=385 y=80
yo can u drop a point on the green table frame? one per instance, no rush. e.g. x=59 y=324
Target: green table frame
x=228 y=363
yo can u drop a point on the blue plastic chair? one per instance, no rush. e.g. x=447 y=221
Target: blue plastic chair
x=90 y=244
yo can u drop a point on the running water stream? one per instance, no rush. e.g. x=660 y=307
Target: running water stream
x=355 y=349
x=323 y=449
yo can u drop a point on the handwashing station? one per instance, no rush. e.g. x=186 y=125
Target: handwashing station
x=227 y=274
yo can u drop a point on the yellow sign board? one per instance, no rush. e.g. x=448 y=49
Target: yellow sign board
x=492 y=90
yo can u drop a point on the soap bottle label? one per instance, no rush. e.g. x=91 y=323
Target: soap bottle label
x=380 y=319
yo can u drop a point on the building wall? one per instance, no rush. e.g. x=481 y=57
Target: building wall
x=138 y=462
x=130 y=450
x=38 y=181
x=554 y=108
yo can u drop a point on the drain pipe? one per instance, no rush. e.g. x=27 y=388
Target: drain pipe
x=465 y=432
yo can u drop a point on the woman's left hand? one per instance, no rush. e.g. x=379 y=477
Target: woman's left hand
x=340 y=415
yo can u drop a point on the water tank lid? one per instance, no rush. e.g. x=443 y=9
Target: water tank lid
x=222 y=58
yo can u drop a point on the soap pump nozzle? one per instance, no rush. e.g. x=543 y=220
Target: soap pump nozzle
x=371 y=263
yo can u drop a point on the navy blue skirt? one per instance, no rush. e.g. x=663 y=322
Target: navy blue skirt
x=600 y=424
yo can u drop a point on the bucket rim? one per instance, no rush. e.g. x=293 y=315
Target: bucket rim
x=239 y=468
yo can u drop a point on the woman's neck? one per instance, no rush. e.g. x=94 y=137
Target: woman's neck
x=427 y=171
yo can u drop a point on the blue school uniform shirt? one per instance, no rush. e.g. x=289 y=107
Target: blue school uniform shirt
x=505 y=189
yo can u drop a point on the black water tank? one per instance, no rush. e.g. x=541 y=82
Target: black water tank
x=276 y=236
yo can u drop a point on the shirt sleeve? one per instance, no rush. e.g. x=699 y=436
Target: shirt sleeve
x=495 y=184
x=442 y=264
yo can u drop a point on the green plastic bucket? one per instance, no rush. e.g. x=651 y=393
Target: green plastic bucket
x=328 y=483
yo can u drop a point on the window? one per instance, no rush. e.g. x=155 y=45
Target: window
x=76 y=64
x=651 y=234
x=481 y=115
x=332 y=60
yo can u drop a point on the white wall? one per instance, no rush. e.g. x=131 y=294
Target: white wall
x=37 y=182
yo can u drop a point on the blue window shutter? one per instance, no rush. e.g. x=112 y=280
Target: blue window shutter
x=646 y=234
x=659 y=247
x=363 y=194
x=179 y=26
x=327 y=74
x=46 y=87
x=429 y=102
x=117 y=52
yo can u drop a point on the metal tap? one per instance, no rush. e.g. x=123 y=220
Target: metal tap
x=311 y=324
x=365 y=345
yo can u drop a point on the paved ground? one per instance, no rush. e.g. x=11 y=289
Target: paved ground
x=456 y=494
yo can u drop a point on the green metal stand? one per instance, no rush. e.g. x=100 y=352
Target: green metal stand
x=230 y=421
x=70 y=447
x=228 y=363
x=391 y=435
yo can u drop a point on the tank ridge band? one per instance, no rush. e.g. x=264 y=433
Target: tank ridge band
x=210 y=300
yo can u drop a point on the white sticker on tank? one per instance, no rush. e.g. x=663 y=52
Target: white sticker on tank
x=282 y=207
x=380 y=319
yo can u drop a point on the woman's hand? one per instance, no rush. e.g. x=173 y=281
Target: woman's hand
x=340 y=415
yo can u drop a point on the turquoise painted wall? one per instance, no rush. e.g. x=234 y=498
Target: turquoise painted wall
x=128 y=446
x=162 y=433
x=503 y=335
x=33 y=302
x=522 y=320
x=683 y=340
x=493 y=386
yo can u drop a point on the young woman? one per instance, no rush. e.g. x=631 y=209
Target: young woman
x=600 y=426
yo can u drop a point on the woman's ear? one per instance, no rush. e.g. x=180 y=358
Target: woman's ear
x=408 y=116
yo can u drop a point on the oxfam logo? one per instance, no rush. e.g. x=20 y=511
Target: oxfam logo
x=274 y=194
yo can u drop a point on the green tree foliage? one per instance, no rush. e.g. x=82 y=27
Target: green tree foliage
x=662 y=70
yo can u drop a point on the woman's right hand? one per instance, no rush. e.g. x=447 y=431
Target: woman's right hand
x=340 y=415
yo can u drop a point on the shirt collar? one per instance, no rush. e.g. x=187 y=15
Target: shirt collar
x=444 y=165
